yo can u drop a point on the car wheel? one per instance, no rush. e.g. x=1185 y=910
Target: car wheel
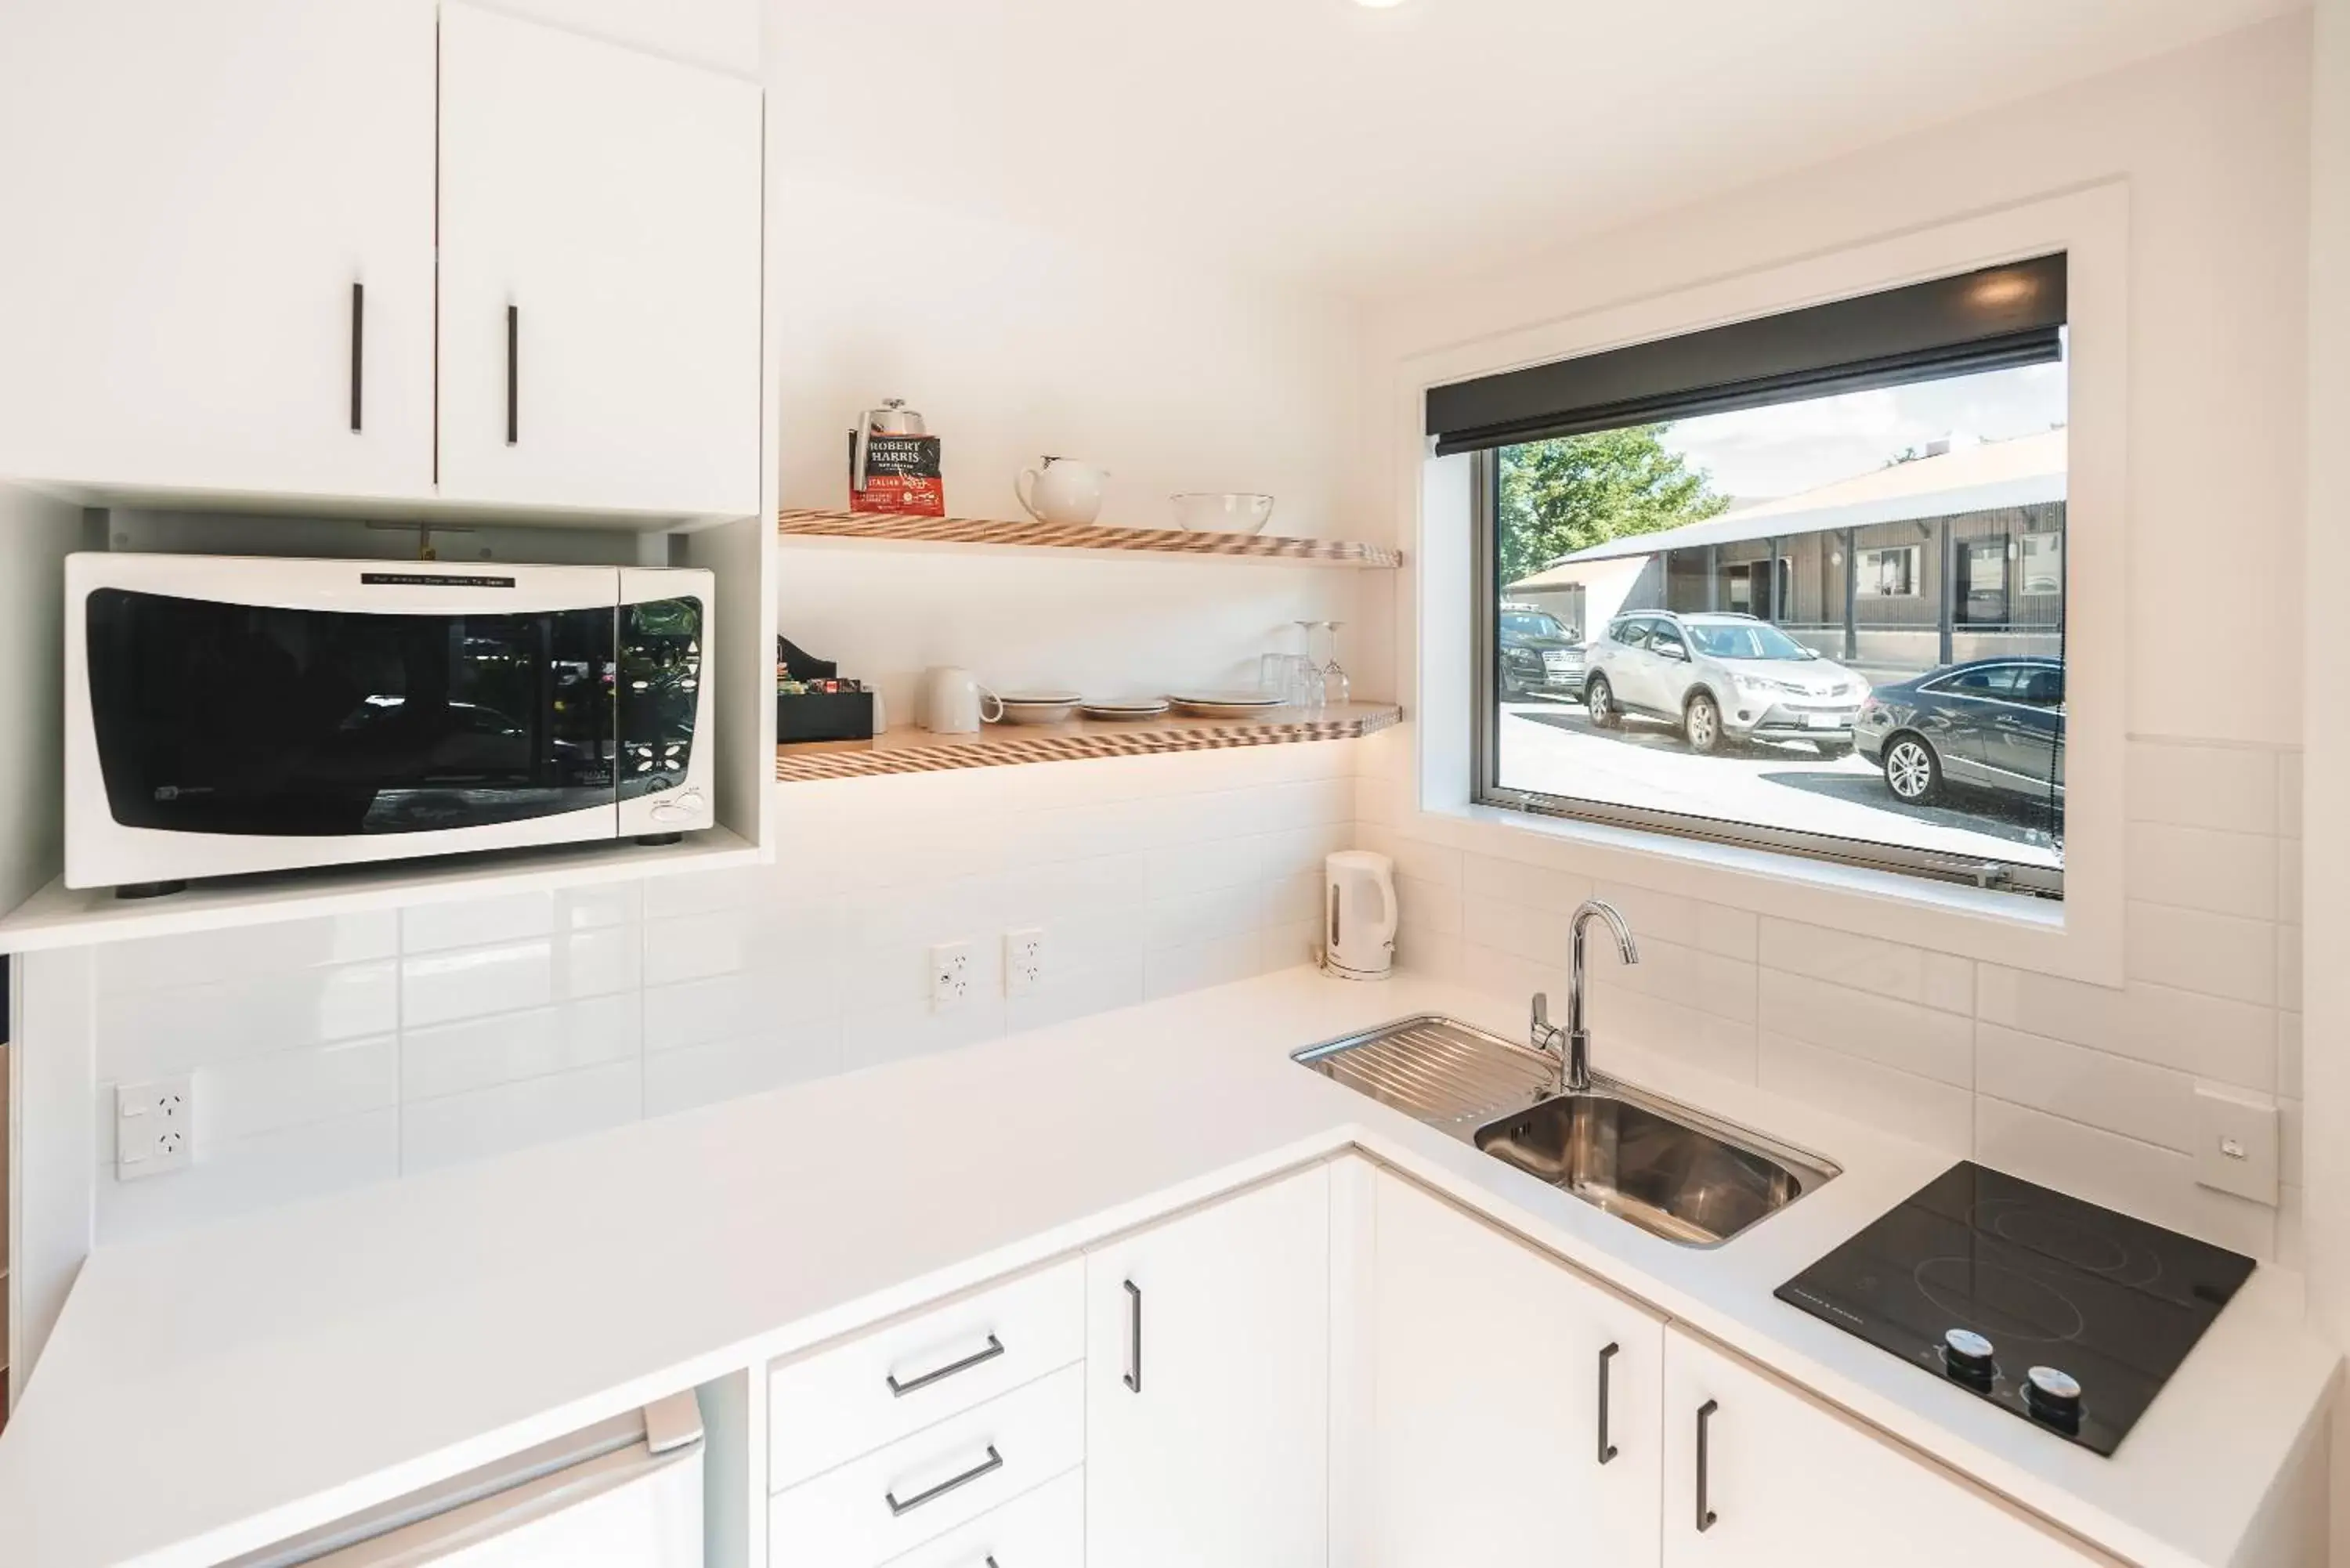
x=1701 y=724
x=1912 y=772
x=1834 y=751
x=1601 y=701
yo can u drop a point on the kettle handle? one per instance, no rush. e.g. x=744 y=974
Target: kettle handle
x=1024 y=487
x=1392 y=915
x=861 y=450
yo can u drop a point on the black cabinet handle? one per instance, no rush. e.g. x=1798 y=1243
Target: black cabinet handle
x=897 y=1390
x=1607 y=1354
x=1133 y=1336
x=514 y=374
x=988 y=1465
x=358 y=346
x=1705 y=1515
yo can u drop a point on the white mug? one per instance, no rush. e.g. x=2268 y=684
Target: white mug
x=955 y=703
x=1063 y=490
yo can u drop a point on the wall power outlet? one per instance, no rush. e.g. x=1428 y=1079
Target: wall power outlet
x=950 y=975
x=1023 y=960
x=154 y=1127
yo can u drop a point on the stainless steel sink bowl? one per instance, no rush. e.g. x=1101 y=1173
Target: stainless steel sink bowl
x=1672 y=1170
x=1669 y=1169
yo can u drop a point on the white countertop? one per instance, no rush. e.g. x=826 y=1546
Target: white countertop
x=208 y=1393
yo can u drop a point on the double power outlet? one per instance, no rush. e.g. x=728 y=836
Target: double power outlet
x=154 y=1127
x=1024 y=968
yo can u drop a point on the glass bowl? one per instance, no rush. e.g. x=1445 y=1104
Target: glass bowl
x=1222 y=512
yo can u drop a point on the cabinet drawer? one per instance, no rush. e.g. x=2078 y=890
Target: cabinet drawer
x=846 y=1401
x=886 y=1503
x=1043 y=1529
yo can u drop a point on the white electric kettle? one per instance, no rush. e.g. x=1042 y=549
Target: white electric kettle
x=1358 y=915
x=1063 y=490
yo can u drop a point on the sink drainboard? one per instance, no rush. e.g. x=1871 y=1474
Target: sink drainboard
x=1438 y=1071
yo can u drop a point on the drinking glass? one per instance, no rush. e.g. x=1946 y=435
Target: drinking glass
x=1337 y=690
x=1312 y=696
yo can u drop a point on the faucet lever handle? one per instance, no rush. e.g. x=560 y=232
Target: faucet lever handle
x=1542 y=1012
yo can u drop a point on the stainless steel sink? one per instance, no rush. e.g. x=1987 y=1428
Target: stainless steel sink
x=1667 y=1167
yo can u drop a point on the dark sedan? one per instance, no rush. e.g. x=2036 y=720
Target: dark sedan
x=1993 y=724
x=1538 y=654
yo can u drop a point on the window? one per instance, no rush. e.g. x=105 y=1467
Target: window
x=1821 y=544
x=1890 y=574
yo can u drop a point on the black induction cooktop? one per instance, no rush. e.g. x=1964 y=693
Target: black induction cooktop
x=2069 y=1315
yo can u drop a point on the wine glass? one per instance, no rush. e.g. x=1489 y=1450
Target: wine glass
x=1337 y=690
x=1311 y=694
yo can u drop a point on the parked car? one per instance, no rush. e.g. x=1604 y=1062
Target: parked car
x=1539 y=654
x=1721 y=677
x=1989 y=723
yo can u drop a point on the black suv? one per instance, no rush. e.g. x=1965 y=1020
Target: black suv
x=1538 y=654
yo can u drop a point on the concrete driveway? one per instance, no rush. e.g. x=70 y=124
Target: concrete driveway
x=1550 y=748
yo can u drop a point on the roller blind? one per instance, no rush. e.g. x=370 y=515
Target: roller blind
x=1989 y=319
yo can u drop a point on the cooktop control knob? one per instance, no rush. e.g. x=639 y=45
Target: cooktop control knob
x=1968 y=1356
x=2052 y=1395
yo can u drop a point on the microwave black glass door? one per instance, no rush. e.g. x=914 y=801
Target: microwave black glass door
x=232 y=719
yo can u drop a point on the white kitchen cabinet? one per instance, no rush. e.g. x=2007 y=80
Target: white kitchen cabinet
x=219 y=271
x=1515 y=1405
x=1758 y=1475
x=600 y=326
x=1208 y=1385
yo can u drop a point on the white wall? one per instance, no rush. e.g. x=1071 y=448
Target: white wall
x=2087 y=1087
x=1014 y=344
x=2324 y=878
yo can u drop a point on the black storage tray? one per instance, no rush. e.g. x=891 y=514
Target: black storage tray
x=824 y=716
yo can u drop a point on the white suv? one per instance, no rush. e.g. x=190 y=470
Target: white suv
x=1720 y=675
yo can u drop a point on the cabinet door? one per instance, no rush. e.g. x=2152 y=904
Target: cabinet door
x=1492 y=1438
x=599 y=275
x=1785 y=1482
x=192 y=192
x=1208 y=1386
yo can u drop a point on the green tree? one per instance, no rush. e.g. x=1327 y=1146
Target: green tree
x=1571 y=493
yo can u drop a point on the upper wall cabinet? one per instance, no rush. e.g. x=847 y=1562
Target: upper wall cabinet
x=600 y=273
x=221 y=277
x=219 y=269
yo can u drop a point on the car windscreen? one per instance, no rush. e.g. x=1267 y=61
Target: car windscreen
x=1531 y=624
x=1756 y=641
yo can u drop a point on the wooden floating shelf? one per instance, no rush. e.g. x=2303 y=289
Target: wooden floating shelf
x=899 y=528
x=1000 y=745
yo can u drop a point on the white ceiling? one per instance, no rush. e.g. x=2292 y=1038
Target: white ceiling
x=1368 y=151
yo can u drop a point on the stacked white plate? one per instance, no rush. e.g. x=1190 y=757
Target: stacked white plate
x=1039 y=707
x=1126 y=708
x=1224 y=704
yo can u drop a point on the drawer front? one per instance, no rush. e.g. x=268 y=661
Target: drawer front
x=851 y=1400
x=886 y=1503
x=1043 y=1529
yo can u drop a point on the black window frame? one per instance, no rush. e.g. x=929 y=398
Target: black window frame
x=2036 y=341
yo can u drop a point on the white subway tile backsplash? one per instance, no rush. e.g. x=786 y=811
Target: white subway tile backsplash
x=2205 y=1037
x=2288 y=1067
x=2153 y=1104
x=1907 y=1035
x=1429 y=906
x=153 y=963
x=1725 y=1047
x=2232 y=788
x=451 y=1058
x=435 y=987
x=476 y=922
x=506 y=1116
x=2154 y=1183
x=1516 y=882
x=256 y=1095
x=2218 y=955
x=2289 y=795
x=1536 y=935
x=1170 y=970
x=1187 y=920
x=153 y=1034
x=1936 y=1114
x=1865 y=963
x=2204 y=868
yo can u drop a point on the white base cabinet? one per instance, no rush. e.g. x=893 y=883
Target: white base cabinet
x=1208 y=1386
x=1514 y=1407
x=1758 y=1475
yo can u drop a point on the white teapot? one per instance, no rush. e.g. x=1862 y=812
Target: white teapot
x=1063 y=490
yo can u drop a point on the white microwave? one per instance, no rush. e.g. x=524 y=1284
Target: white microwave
x=232 y=714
